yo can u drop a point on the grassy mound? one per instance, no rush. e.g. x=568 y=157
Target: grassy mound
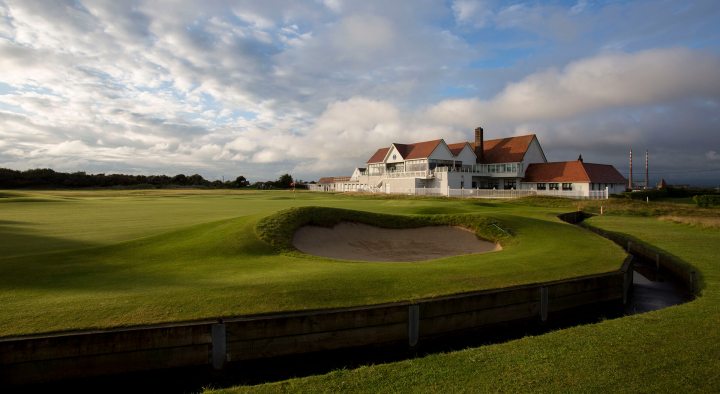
x=127 y=258
x=278 y=229
x=676 y=349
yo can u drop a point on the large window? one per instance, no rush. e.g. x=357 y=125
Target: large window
x=567 y=186
x=554 y=186
x=509 y=184
x=541 y=186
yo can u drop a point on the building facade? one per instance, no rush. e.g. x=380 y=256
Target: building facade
x=514 y=163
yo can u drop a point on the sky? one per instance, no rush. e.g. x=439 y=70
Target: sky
x=313 y=88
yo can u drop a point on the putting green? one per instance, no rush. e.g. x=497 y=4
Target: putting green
x=85 y=260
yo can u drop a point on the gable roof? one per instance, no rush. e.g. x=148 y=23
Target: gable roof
x=501 y=150
x=506 y=150
x=457 y=148
x=418 y=150
x=378 y=156
x=572 y=171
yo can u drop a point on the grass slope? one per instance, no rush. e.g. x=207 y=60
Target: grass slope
x=676 y=349
x=127 y=259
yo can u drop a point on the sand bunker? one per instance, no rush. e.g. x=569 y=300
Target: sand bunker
x=354 y=241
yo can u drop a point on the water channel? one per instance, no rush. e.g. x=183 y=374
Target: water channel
x=652 y=289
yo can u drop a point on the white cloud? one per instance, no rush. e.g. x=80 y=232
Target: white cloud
x=477 y=13
x=596 y=83
x=269 y=87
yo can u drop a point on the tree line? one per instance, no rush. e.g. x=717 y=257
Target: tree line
x=48 y=178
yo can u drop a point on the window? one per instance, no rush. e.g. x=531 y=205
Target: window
x=567 y=186
x=509 y=184
x=541 y=186
x=554 y=186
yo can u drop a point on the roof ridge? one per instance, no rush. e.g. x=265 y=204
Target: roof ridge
x=582 y=165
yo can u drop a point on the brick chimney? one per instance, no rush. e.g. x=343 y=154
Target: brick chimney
x=479 y=144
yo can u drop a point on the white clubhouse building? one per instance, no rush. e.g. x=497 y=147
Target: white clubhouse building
x=509 y=167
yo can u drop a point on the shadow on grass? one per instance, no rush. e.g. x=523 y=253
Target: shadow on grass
x=19 y=239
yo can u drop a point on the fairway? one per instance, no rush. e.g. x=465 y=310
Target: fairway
x=80 y=260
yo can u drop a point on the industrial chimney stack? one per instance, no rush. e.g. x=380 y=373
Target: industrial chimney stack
x=479 y=144
x=647 y=184
x=630 y=184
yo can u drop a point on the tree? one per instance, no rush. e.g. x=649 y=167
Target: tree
x=179 y=179
x=241 y=181
x=284 y=182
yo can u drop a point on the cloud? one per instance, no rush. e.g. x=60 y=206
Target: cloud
x=472 y=12
x=712 y=155
x=600 y=82
x=263 y=88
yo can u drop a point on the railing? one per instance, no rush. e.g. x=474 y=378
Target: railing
x=408 y=174
x=512 y=193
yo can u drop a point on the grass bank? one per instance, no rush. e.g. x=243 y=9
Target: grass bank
x=80 y=260
x=676 y=349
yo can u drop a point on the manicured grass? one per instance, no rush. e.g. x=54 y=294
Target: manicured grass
x=676 y=349
x=78 y=260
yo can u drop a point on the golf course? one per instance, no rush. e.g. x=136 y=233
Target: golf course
x=85 y=260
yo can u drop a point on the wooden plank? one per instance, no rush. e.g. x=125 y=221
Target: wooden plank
x=585 y=299
x=478 y=301
x=82 y=344
x=477 y=319
x=583 y=285
x=80 y=367
x=284 y=325
x=318 y=341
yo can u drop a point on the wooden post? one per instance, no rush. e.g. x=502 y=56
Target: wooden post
x=413 y=324
x=219 y=346
x=543 y=303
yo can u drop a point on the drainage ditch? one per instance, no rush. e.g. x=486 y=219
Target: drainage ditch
x=653 y=288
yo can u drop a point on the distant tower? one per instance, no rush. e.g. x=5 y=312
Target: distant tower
x=647 y=184
x=630 y=178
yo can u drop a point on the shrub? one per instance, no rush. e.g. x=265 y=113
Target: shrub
x=707 y=200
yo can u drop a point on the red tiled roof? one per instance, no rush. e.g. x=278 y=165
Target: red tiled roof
x=572 y=171
x=506 y=150
x=379 y=156
x=502 y=150
x=457 y=148
x=333 y=179
x=418 y=150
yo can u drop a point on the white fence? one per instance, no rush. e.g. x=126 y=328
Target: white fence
x=492 y=193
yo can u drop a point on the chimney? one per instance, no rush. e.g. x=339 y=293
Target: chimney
x=630 y=183
x=580 y=159
x=647 y=184
x=479 y=145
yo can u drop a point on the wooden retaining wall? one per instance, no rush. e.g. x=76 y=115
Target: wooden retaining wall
x=212 y=343
x=678 y=268
x=44 y=358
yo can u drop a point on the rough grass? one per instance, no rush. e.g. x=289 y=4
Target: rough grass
x=699 y=221
x=676 y=349
x=79 y=260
